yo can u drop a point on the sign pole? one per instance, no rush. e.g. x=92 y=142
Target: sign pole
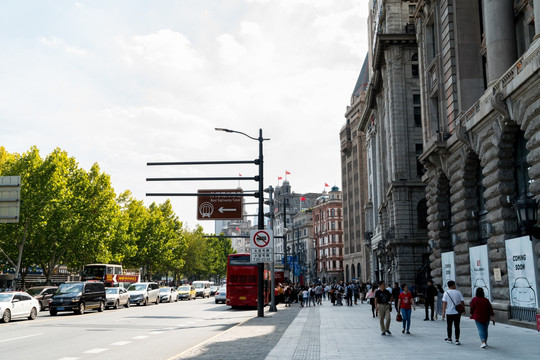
x=260 y=275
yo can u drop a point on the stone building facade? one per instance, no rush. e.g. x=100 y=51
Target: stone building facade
x=396 y=229
x=328 y=235
x=287 y=204
x=357 y=252
x=479 y=65
x=303 y=246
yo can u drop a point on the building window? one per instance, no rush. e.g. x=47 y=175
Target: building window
x=481 y=205
x=521 y=167
x=421 y=214
x=414 y=65
x=333 y=238
x=333 y=225
x=417 y=110
x=419 y=167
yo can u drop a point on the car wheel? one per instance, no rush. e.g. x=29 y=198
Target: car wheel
x=53 y=312
x=157 y=300
x=101 y=306
x=80 y=310
x=127 y=304
x=6 y=317
x=145 y=303
x=33 y=314
x=217 y=302
x=116 y=305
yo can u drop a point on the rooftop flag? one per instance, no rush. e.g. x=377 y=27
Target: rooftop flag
x=287 y=172
x=326 y=185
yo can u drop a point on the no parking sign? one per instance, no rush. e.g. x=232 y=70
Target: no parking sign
x=261 y=246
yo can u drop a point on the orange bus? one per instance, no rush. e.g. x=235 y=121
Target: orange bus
x=242 y=282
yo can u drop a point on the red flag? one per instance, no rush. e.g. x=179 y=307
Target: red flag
x=302 y=199
x=326 y=185
x=280 y=178
x=239 y=174
x=287 y=173
x=237 y=229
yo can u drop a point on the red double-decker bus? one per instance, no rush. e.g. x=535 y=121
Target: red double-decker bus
x=242 y=282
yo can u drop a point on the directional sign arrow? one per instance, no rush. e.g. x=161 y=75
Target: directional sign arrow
x=222 y=210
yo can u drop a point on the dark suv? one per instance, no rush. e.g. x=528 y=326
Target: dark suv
x=78 y=297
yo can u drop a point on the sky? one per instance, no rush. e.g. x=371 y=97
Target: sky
x=121 y=83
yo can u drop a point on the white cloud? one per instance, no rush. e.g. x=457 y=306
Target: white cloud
x=230 y=50
x=164 y=49
x=58 y=43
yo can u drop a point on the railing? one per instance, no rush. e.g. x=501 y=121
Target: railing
x=523 y=313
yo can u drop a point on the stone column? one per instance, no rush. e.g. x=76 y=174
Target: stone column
x=536 y=4
x=500 y=37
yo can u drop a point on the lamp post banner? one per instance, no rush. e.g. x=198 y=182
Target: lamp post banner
x=479 y=259
x=522 y=275
x=448 y=268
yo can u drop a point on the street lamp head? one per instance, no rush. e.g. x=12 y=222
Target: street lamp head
x=222 y=129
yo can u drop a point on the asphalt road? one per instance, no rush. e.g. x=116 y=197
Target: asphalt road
x=152 y=332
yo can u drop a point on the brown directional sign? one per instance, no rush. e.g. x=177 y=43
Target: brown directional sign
x=215 y=207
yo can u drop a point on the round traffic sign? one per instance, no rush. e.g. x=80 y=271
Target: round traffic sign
x=261 y=239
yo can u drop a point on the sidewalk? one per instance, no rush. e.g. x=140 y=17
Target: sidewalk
x=341 y=332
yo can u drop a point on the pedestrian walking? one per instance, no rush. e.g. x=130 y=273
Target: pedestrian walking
x=370 y=296
x=349 y=294
x=396 y=290
x=305 y=297
x=356 y=293
x=481 y=311
x=405 y=302
x=383 y=303
x=440 y=293
x=431 y=292
x=319 y=290
x=452 y=298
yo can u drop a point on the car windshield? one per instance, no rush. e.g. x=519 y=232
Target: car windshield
x=34 y=291
x=111 y=291
x=68 y=288
x=137 y=287
x=198 y=285
x=165 y=290
x=184 y=288
x=5 y=297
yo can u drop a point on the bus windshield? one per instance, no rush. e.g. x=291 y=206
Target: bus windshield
x=240 y=260
x=94 y=271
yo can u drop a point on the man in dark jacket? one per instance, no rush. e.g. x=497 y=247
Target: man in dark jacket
x=431 y=292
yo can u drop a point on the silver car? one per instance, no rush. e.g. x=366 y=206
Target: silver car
x=144 y=293
x=221 y=295
x=116 y=297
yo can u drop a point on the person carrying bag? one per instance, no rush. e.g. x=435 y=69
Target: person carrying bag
x=450 y=308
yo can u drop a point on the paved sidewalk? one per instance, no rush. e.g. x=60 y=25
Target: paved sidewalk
x=341 y=332
x=352 y=333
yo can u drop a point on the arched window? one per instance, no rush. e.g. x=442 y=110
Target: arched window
x=359 y=272
x=421 y=214
x=353 y=272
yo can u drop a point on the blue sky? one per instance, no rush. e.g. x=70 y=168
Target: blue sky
x=121 y=83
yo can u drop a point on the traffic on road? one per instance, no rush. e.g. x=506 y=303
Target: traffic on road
x=138 y=332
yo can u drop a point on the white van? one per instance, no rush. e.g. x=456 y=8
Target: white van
x=202 y=288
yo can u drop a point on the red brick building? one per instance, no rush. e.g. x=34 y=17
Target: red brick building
x=328 y=234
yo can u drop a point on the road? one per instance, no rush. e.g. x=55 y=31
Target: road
x=153 y=332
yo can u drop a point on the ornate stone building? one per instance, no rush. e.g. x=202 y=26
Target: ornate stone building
x=396 y=229
x=328 y=234
x=479 y=65
x=357 y=252
x=287 y=204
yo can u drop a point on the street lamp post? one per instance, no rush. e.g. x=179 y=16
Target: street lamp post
x=260 y=217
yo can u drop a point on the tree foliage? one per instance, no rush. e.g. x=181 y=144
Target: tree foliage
x=70 y=216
